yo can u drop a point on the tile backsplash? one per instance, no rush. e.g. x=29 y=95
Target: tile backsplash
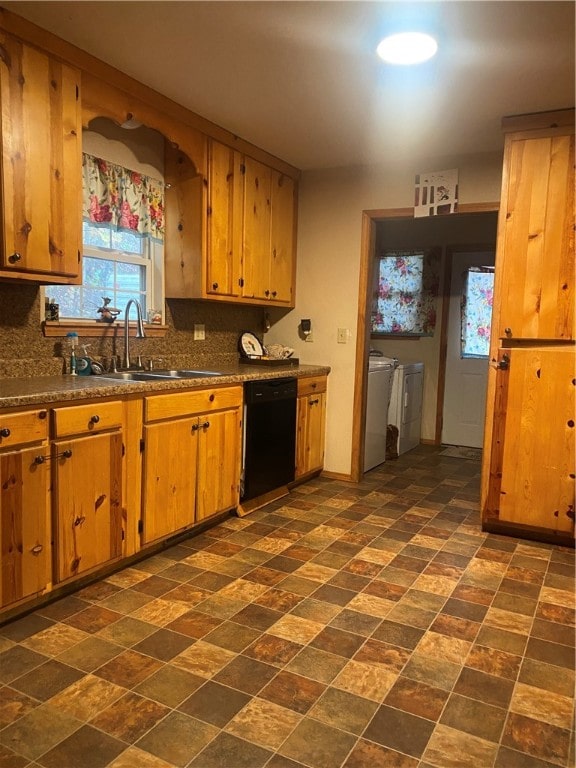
x=24 y=351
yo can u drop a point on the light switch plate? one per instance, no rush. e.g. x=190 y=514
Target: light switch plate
x=199 y=332
x=342 y=336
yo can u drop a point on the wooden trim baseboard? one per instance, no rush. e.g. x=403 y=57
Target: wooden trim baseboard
x=531 y=532
x=338 y=476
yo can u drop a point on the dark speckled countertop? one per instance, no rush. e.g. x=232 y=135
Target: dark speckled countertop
x=18 y=392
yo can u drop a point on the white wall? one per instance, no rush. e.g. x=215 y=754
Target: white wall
x=329 y=234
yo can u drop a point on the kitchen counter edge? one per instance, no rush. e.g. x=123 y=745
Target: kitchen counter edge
x=31 y=391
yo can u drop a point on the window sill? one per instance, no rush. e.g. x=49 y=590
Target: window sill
x=59 y=328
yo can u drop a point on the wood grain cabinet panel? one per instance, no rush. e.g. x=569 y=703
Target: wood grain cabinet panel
x=191 y=458
x=528 y=460
x=310 y=425
x=40 y=165
x=24 y=521
x=532 y=453
x=536 y=239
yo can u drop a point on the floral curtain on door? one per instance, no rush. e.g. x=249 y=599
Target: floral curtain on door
x=406 y=291
x=477 y=311
x=117 y=197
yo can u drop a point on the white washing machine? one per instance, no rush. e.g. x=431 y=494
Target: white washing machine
x=380 y=377
x=405 y=410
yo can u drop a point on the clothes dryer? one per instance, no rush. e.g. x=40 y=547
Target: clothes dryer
x=380 y=376
x=405 y=410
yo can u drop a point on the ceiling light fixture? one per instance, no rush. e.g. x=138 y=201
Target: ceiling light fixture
x=407 y=48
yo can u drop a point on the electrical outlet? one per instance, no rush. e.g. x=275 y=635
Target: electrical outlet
x=309 y=336
x=199 y=332
x=342 y=335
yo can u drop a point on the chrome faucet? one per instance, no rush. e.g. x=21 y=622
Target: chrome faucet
x=140 y=334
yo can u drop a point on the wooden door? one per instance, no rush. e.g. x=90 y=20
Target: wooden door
x=256 y=239
x=88 y=502
x=535 y=254
x=532 y=457
x=41 y=163
x=282 y=229
x=219 y=445
x=169 y=477
x=225 y=210
x=24 y=536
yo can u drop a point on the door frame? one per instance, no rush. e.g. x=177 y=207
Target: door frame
x=370 y=218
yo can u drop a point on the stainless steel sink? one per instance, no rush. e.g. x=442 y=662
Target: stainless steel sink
x=159 y=375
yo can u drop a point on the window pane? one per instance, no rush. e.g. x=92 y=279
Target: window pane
x=96 y=236
x=98 y=272
x=477 y=312
x=127 y=242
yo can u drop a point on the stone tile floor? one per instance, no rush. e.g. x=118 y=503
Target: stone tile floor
x=345 y=625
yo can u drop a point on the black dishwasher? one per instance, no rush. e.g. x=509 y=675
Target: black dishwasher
x=269 y=450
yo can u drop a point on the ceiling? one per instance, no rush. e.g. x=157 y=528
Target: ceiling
x=302 y=81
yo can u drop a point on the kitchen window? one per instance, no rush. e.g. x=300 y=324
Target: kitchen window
x=123 y=253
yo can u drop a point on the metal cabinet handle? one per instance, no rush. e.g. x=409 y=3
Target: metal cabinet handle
x=15 y=257
x=4 y=432
x=94 y=419
x=64 y=455
x=502 y=365
x=508 y=331
x=314 y=402
x=274 y=293
x=206 y=425
x=214 y=286
x=195 y=427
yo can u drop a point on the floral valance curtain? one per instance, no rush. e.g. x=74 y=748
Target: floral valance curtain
x=405 y=297
x=117 y=197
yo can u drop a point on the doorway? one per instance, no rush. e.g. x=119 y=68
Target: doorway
x=370 y=221
x=469 y=309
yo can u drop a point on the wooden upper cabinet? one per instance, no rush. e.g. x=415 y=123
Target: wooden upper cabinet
x=40 y=165
x=224 y=221
x=535 y=252
x=269 y=224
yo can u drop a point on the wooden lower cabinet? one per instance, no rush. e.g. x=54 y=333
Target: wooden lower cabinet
x=87 y=468
x=531 y=474
x=191 y=469
x=310 y=425
x=24 y=507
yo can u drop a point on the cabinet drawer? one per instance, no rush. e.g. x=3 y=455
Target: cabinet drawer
x=87 y=418
x=187 y=403
x=22 y=428
x=310 y=385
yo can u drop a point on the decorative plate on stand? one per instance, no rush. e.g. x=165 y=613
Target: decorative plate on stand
x=250 y=345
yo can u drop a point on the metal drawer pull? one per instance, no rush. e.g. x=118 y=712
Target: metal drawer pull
x=15 y=257
x=206 y=425
x=94 y=419
x=64 y=455
x=4 y=432
x=314 y=402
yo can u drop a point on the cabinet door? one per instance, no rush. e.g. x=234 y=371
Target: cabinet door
x=310 y=418
x=24 y=538
x=40 y=164
x=282 y=229
x=225 y=209
x=169 y=477
x=535 y=257
x=531 y=478
x=219 y=444
x=256 y=243
x=88 y=502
